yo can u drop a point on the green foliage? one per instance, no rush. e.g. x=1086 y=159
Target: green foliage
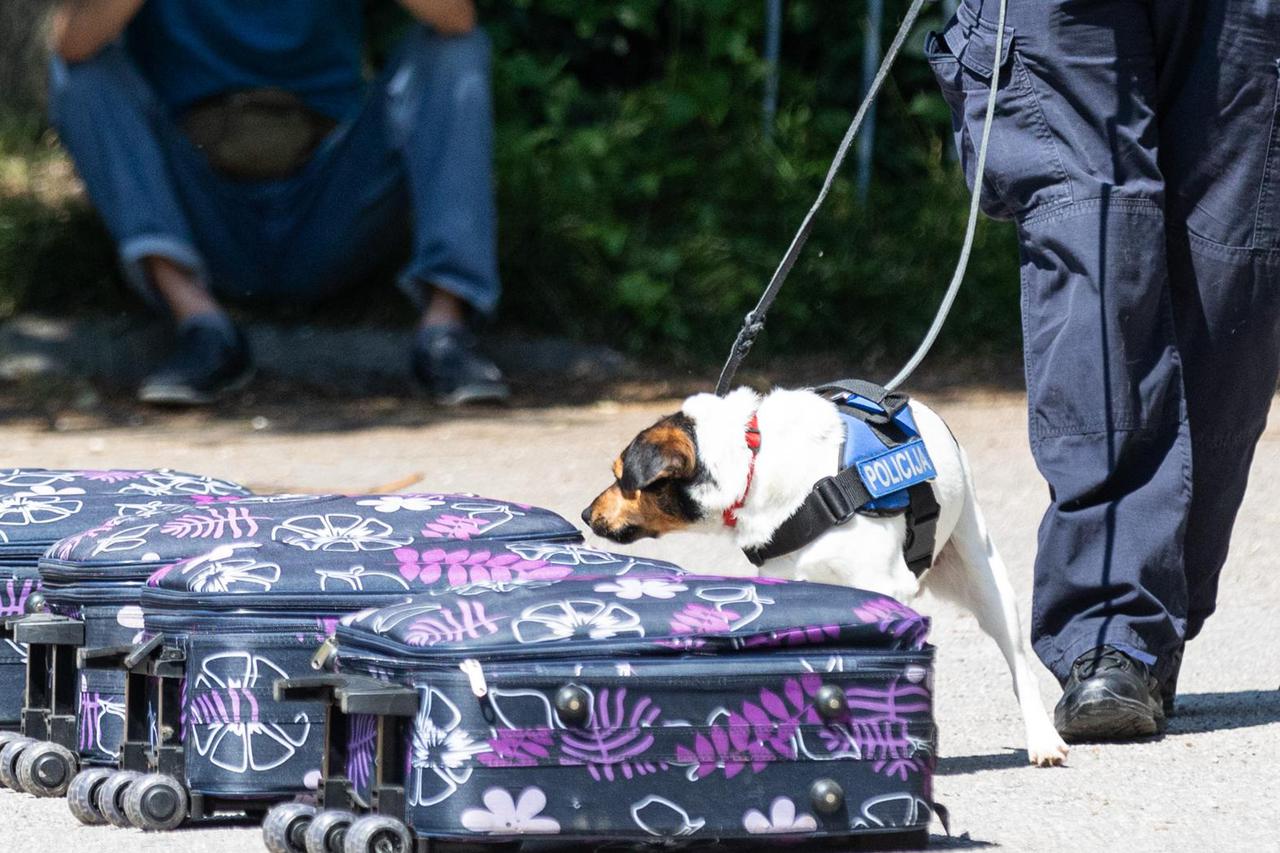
x=642 y=204
x=53 y=254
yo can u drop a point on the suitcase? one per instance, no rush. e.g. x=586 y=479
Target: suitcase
x=40 y=506
x=93 y=581
x=661 y=711
x=73 y=715
x=202 y=732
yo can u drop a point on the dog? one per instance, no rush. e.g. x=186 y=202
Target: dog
x=691 y=468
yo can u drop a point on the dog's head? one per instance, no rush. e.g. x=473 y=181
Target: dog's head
x=653 y=477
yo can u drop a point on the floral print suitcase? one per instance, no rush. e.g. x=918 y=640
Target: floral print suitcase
x=649 y=710
x=202 y=731
x=93 y=580
x=39 y=507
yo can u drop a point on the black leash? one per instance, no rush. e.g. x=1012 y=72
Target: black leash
x=753 y=323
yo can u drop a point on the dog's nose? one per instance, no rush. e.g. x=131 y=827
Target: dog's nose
x=586 y=516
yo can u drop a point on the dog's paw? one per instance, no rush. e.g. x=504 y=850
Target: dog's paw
x=1047 y=749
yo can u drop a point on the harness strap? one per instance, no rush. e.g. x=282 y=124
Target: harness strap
x=922 y=528
x=835 y=500
x=832 y=502
x=893 y=402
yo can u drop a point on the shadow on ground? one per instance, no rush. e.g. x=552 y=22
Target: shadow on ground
x=79 y=373
x=1198 y=713
x=960 y=765
x=1210 y=712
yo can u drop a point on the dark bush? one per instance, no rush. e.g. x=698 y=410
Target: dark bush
x=641 y=203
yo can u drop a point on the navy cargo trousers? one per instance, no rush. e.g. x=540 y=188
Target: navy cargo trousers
x=1136 y=144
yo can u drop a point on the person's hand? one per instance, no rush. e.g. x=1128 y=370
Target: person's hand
x=447 y=17
x=80 y=29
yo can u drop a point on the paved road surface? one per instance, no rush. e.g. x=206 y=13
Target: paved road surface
x=1209 y=785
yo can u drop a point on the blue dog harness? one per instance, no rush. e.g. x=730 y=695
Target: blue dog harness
x=885 y=470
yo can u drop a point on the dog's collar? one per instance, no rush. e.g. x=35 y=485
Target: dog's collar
x=753 y=444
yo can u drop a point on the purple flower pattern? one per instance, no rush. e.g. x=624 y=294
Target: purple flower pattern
x=466 y=621
x=755 y=735
x=108 y=476
x=616 y=740
x=360 y=742
x=518 y=748
x=476 y=567
x=895 y=619
x=226 y=707
x=450 y=526
x=13 y=596
x=212 y=523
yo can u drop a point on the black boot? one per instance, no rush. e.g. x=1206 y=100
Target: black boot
x=448 y=362
x=209 y=359
x=1109 y=696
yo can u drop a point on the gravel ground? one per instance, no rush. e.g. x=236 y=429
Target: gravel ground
x=1207 y=785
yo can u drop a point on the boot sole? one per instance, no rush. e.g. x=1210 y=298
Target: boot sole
x=1107 y=718
x=473 y=395
x=179 y=396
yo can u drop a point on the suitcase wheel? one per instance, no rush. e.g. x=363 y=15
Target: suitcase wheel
x=377 y=834
x=82 y=795
x=285 y=828
x=328 y=832
x=9 y=756
x=156 y=802
x=45 y=769
x=110 y=797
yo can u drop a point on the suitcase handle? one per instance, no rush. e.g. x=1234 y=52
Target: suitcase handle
x=352 y=694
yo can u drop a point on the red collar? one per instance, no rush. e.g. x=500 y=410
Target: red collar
x=753 y=443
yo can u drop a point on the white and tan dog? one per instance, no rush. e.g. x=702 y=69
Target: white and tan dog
x=691 y=467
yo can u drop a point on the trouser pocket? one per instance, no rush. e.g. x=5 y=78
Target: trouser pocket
x=1023 y=170
x=1267 y=224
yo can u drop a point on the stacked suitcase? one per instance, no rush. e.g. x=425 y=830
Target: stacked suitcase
x=491 y=679
x=649 y=709
x=39 y=507
x=202 y=733
x=74 y=713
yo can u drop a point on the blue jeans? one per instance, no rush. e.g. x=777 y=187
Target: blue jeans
x=414 y=167
x=1137 y=147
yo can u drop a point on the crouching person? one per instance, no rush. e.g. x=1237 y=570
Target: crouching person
x=236 y=151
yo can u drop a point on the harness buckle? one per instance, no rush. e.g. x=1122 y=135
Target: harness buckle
x=835 y=500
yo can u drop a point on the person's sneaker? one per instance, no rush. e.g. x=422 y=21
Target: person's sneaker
x=1109 y=696
x=448 y=362
x=209 y=359
x=1169 y=687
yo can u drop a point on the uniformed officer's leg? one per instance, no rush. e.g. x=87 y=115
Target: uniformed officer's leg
x=1073 y=158
x=1220 y=151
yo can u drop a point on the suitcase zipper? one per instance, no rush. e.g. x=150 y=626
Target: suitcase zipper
x=475 y=676
x=872 y=662
x=75 y=572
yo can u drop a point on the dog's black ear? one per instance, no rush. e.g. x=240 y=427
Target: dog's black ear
x=665 y=450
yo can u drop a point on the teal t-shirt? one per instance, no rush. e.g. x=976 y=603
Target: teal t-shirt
x=190 y=50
